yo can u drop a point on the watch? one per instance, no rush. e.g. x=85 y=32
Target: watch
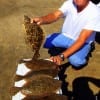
x=61 y=56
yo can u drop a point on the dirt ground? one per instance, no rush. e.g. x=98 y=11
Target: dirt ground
x=13 y=47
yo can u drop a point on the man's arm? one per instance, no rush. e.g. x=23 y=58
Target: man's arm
x=85 y=34
x=52 y=17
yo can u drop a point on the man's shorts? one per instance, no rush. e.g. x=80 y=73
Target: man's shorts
x=57 y=40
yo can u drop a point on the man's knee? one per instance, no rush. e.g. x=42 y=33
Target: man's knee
x=77 y=62
x=48 y=42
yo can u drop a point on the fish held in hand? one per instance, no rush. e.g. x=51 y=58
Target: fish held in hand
x=34 y=36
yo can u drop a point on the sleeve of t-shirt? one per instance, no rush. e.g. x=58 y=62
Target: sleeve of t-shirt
x=93 y=24
x=64 y=8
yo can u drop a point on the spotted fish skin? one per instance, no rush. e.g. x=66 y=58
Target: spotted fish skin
x=42 y=86
x=50 y=97
x=40 y=64
x=34 y=36
x=45 y=73
x=39 y=87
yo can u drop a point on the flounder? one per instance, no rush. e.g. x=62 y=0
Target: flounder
x=34 y=36
x=50 y=73
x=50 y=97
x=40 y=87
x=39 y=64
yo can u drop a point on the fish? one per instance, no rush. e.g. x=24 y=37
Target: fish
x=34 y=36
x=39 y=87
x=50 y=97
x=49 y=72
x=39 y=64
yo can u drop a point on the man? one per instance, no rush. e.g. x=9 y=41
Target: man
x=78 y=32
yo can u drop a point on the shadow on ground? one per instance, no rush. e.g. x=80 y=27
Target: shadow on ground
x=98 y=37
x=81 y=86
x=82 y=91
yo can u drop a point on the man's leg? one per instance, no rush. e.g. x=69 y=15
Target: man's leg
x=48 y=42
x=53 y=49
x=78 y=59
x=57 y=43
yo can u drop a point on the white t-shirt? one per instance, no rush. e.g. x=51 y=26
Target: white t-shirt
x=74 y=22
x=98 y=4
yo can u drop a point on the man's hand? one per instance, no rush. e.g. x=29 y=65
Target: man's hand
x=56 y=59
x=38 y=20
